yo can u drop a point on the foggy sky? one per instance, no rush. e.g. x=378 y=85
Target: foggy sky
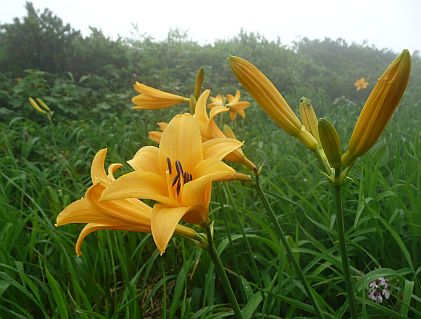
x=391 y=24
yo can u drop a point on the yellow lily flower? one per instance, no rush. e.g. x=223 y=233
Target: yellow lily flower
x=236 y=106
x=379 y=107
x=178 y=176
x=360 y=84
x=210 y=130
x=271 y=101
x=122 y=214
x=216 y=101
x=156 y=135
x=154 y=99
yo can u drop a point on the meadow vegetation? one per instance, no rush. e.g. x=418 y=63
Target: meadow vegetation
x=87 y=82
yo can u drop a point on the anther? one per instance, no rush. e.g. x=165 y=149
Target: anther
x=175 y=180
x=178 y=167
x=178 y=187
x=169 y=165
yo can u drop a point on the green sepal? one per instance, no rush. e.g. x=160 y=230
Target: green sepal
x=331 y=145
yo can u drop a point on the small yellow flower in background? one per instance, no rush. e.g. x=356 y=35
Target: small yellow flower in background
x=153 y=99
x=122 y=214
x=216 y=101
x=178 y=176
x=156 y=135
x=379 y=107
x=236 y=106
x=360 y=84
x=271 y=101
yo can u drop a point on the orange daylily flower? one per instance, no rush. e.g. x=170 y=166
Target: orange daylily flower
x=208 y=129
x=236 y=106
x=121 y=214
x=154 y=99
x=177 y=175
x=156 y=135
x=216 y=101
x=360 y=84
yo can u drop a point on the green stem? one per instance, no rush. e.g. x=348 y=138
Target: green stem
x=287 y=248
x=344 y=252
x=222 y=274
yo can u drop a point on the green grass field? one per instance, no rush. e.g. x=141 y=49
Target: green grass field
x=45 y=166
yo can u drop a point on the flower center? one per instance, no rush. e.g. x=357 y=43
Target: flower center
x=182 y=177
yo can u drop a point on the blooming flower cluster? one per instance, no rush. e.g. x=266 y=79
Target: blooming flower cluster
x=177 y=175
x=378 y=290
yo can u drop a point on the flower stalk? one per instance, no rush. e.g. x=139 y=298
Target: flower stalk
x=342 y=245
x=222 y=274
x=284 y=241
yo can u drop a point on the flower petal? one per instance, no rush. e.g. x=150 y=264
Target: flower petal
x=139 y=184
x=200 y=113
x=150 y=91
x=220 y=147
x=128 y=210
x=198 y=190
x=163 y=223
x=146 y=159
x=112 y=169
x=97 y=168
x=92 y=227
x=81 y=212
x=217 y=110
x=181 y=140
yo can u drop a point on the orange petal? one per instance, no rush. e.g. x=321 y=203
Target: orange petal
x=139 y=184
x=112 y=169
x=81 y=212
x=97 y=168
x=200 y=113
x=146 y=159
x=90 y=228
x=128 y=210
x=220 y=147
x=163 y=223
x=182 y=141
x=198 y=190
x=217 y=110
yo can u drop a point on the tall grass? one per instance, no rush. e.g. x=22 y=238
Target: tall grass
x=45 y=166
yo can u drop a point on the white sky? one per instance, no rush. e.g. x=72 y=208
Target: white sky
x=394 y=24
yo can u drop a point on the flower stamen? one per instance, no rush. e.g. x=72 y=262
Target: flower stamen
x=169 y=165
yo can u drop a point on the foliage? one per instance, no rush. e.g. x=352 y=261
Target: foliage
x=45 y=166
